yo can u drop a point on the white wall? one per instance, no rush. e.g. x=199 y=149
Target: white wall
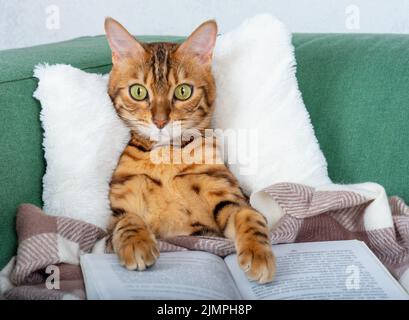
x=31 y=22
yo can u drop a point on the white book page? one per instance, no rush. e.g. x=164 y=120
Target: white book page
x=176 y=275
x=322 y=270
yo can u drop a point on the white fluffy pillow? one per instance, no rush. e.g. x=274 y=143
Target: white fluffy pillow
x=257 y=91
x=83 y=139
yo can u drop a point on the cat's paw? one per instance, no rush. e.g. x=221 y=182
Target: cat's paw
x=257 y=261
x=138 y=251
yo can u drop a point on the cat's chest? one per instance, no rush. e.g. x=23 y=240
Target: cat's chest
x=172 y=195
x=178 y=205
x=168 y=164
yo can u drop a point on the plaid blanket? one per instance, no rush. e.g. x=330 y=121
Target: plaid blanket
x=47 y=262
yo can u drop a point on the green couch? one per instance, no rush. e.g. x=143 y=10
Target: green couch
x=356 y=88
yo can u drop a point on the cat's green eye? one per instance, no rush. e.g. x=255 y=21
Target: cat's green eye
x=183 y=92
x=138 y=92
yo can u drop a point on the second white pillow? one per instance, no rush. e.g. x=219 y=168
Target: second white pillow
x=257 y=94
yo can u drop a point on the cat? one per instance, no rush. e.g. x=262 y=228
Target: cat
x=152 y=87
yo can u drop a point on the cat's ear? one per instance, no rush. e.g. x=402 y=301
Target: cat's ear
x=201 y=42
x=122 y=43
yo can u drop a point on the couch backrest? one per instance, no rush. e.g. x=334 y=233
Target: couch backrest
x=354 y=86
x=356 y=89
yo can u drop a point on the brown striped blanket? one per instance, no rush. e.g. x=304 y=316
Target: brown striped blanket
x=46 y=265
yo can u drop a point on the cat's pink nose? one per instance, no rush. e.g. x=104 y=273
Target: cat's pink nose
x=160 y=123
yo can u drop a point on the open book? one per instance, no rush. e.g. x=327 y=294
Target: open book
x=316 y=270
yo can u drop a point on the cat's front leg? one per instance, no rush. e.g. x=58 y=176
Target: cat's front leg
x=254 y=251
x=134 y=243
x=249 y=230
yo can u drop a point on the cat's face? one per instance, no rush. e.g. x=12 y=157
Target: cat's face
x=156 y=87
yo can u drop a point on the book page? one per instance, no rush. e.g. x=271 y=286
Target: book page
x=322 y=270
x=176 y=275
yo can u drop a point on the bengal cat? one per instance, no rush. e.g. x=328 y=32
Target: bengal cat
x=154 y=86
